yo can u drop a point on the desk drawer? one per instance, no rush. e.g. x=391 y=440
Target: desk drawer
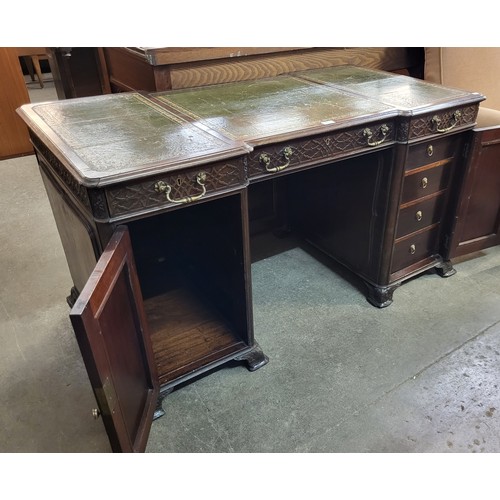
x=432 y=151
x=415 y=248
x=425 y=181
x=273 y=159
x=177 y=188
x=419 y=215
x=442 y=122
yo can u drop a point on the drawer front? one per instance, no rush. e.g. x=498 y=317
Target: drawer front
x=432 y=151
x=426 y=181
x=273 y=159
x=420 y=215
x=174 y=189
x=440 y=122
x=415 y=248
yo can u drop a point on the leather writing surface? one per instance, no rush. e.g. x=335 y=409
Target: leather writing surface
x=269 y=107
x=119 y=137
x=122 y=134
x=395 y=90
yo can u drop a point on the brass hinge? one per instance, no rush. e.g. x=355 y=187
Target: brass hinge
x=105 y=397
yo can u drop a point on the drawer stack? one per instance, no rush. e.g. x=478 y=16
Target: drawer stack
x=428 y=173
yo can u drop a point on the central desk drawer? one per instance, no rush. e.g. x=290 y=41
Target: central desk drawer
x=269 y=160
x=418 y=215
x=415 y=247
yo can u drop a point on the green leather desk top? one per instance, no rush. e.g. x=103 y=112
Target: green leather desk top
x=123 y=135
x=405 y=94
x=105 y=139
x=259 y=111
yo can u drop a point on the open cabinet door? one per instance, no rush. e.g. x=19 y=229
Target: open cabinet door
x=111 y=329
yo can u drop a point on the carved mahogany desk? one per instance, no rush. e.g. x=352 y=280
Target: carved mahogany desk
x=154 y=197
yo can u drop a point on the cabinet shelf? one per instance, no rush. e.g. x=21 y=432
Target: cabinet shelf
x=186 y=334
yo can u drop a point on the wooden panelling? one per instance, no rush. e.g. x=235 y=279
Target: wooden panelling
x=247 y=68
x=14 y=138
x=164 y=68
x=478 y=221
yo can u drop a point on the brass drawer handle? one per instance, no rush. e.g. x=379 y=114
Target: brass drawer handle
x=412 y=249
x=424 y=182
x=437 y=122
x=367 y=132
x=163 y=187
x=430 y=150
x=419 y=215
x=265 y=159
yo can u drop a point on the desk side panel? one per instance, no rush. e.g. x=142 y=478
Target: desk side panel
x=78 y=236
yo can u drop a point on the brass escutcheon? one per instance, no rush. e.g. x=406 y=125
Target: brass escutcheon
x=413 y=249
x=430 y=150
x=419 y=215
x=424 y=182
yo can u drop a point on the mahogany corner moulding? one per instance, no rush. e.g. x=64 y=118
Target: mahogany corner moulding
x=156 y=197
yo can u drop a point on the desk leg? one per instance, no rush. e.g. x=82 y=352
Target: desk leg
x=254 y=358
x=445 y=269
x=73 y=295
x=381 y=296
x=159 y=411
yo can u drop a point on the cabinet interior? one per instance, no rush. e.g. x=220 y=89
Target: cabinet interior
x=191 y=268
x=340 y=208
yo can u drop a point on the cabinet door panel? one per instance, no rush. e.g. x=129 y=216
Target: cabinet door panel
x=111 y=329
x=484 y=199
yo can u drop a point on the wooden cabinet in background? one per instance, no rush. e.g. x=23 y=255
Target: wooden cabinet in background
x=165 y=68
x=14 y=137
x=86 y=71
x=478 y=216
x=78 y=71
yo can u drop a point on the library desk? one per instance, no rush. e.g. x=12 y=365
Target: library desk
x=156 y=197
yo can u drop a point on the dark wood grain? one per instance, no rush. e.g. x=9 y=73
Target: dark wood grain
x=429 y=151
x=420 y=213
x=435 y=177
x=186 y=334
x=78 y=235
x=425 y=242
x=478 y=225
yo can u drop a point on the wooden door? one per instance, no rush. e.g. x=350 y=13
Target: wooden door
x=14 y=137
x=478 y=214
x=112 y=332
